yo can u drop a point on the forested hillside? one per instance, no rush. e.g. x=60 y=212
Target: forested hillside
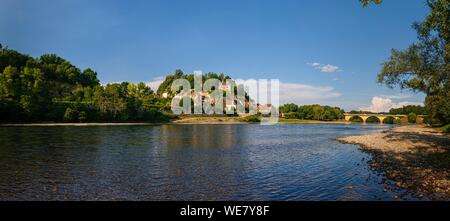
x=50 y=88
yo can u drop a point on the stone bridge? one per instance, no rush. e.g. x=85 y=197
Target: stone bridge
x=382 y=117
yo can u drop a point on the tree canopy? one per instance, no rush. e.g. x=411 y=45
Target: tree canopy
x=165 y=85
x=50 y=88
x=416 y=109
x=311 y=112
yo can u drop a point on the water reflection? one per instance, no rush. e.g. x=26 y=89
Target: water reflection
x=199 y=136
x=199 y=156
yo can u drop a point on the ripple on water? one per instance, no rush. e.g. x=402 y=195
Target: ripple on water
x=186 y=162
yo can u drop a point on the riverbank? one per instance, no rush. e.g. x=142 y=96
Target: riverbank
x=415 y=157
x=74 y=124
x=244 y=120
x=181 y=120
x=209 y=120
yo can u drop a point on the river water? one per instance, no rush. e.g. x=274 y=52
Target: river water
x=187 y=162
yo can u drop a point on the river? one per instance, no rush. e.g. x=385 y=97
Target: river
x=187 y=162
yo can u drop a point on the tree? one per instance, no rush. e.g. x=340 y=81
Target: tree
x=12 y=58
x=312 y=112
x=360 y=112
x=89 y=78
x=418 y=110
x=165 y=85
x=425 y=65
x=82 y=116
x=412 y=118
x=70 y=114
x=50 y=88
x=287 y=108
x=291 y=115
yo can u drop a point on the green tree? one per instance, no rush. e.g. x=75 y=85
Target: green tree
x=312 y=112
x=418 y=110
x=82 y=116
x=425 y=65
x=50 y=88
x=412 y=118
x=287 y=108
x=89 y=78
x=110 y=101
x=291 y=115
x=166 y=84
x=70 y=115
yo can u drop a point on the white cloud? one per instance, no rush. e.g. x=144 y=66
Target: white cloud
x=328 y=68
x=380 y=104
x=397 y=96
x=302 y=93
x=314 y=64
x=155 y=82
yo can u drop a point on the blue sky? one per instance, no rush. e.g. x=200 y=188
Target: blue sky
x=323 y=51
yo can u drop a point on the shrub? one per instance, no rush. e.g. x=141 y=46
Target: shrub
x=70 y=114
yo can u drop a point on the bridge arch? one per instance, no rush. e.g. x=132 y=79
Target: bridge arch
x=373 y=120
x=355 y=119
x=389 y=120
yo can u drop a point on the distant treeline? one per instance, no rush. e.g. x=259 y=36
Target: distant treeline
x=405 y=110
x=415 y=109
x=311 y=112
x=411 y=111
x=167 y=83
x=327 y=113
x=50 y=88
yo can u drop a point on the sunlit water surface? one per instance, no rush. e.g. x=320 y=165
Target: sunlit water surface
x=187 y=162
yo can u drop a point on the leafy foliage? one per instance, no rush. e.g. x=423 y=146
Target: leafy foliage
x=311 y=112
x=360 y=112
x=425 y=65
x=416 y=109
x=446 y=128
x=50 y=88
x=166 y=84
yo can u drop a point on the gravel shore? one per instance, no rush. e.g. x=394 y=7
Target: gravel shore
x=415 y=158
